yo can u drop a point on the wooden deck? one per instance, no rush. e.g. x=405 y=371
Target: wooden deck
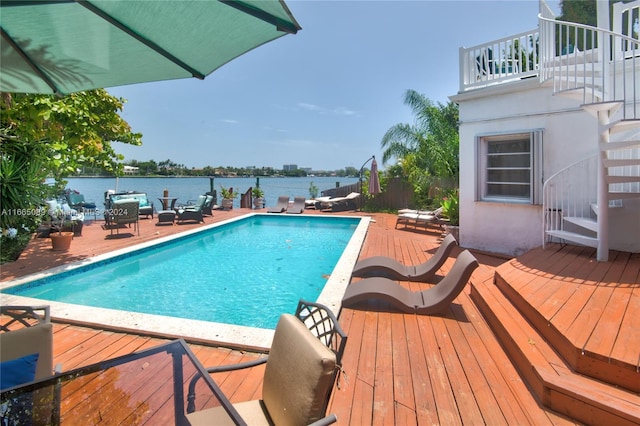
x=462 y=368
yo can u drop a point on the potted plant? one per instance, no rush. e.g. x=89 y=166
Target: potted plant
x=258 y=197
x=313 y=191
x=450 y=209
x=60 y=239
x=227 y=197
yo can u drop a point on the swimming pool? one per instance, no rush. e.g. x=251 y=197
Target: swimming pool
x=138 y=288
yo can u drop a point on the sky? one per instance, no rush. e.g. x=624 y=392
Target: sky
x=324 y=97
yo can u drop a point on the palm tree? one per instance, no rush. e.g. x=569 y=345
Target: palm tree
x=428 y=148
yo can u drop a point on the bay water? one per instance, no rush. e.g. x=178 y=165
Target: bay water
x=188 y=189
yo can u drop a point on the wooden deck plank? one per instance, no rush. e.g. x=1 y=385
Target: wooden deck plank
x=403 y=368
x=383 y=394
x=402 y=383
x=445 y=401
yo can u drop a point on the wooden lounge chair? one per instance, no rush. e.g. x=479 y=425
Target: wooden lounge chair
x=298 y=205
x=301 y=368
x=281 y=206
x=382 y=266
x=435 y=300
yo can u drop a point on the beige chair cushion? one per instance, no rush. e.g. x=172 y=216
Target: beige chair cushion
x=25 y=341
x=298 y=376
x=252 y=412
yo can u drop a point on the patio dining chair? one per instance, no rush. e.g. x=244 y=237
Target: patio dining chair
x=123 y=212
x=26 y=354
x=301 y=368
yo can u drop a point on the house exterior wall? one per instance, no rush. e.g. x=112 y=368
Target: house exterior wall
x=569 y=135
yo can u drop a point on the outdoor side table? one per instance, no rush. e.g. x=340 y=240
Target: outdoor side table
x=147 y=387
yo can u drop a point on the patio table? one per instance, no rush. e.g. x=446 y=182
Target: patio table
x=147 y=387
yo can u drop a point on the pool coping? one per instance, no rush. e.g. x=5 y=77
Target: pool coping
x=205 y=332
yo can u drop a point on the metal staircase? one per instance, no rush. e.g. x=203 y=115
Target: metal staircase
x=601 y=69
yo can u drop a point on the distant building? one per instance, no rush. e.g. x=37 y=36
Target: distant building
x=130 y=170
x=289 y=167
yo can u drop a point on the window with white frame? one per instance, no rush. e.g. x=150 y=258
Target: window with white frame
x=510 y=167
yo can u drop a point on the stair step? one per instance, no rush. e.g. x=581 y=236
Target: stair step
x=610 y=146
x=583 y=222
x=547 y=374
x=622 y=179
x=613 y=195
x=621 y=163
x=582 y=94
x=574 y=238
x=624 y=125
x=611 y=106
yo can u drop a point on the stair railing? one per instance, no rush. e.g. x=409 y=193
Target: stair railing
x=603 y=64
x=570 y=192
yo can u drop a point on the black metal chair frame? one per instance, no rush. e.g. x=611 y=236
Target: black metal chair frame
x=321 y=322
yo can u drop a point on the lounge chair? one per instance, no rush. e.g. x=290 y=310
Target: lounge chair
x=339 y=204
x=281 y=206
x=382 y=266
x=298 y=205
x=420 y=218
x=300 y=371
x=435 y=300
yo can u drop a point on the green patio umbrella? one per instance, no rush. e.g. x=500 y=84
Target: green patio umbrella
x=64 y=46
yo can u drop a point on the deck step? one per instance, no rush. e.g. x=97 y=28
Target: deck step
x=574 y=238
x=552 y=381
x=583 y=222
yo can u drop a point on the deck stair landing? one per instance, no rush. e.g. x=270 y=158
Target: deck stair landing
x=559 y=318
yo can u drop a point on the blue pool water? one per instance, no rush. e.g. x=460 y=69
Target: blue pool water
x=246 y=272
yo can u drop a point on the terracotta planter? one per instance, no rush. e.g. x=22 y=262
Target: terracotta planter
x=454 y=230
x=227 y=203
x=61 y=241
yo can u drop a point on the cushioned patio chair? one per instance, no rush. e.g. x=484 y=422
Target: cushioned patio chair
x=281 y=206
x=298 y=205
x=383 y=266
x=26 y=354
x=301 y=368
x=435 y=300
x=77 y=201
x=194 y=212
x=123 y=212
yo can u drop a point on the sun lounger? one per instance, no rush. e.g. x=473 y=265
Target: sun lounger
x=339 y=204
x=435 y=300
x=382 y=266
x=420 y=218
x=281 y=206
x=298 y=205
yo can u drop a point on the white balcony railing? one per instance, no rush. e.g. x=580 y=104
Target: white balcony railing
x=501 y=60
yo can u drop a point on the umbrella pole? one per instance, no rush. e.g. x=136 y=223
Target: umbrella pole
x=373 y=157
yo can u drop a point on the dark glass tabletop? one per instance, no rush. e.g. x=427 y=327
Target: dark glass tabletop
x=147 y=387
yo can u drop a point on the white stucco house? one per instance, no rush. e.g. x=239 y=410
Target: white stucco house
x=550 y=136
